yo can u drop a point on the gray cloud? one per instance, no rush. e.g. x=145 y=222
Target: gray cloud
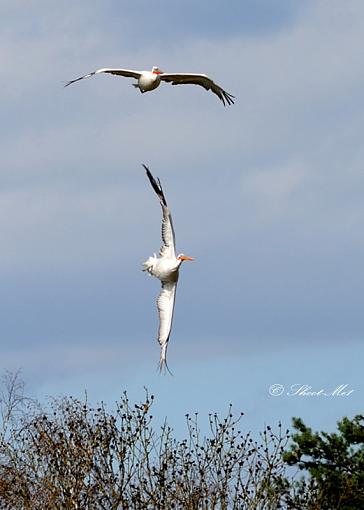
x=266 y=194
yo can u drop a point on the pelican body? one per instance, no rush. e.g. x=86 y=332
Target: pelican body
x=166 y=269
x=150 y=80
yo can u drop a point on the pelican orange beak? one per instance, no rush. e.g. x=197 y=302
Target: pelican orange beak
x=183 y=257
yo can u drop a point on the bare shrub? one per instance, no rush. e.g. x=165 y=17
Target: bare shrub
x=71 y=455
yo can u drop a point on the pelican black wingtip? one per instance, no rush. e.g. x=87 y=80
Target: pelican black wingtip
x=156 y=184
x=148 y=172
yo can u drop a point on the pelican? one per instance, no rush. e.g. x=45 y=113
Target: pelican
x=166 y=268
x=150 y=80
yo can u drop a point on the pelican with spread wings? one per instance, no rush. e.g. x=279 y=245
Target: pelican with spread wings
x=166 y=268
x=150 y=80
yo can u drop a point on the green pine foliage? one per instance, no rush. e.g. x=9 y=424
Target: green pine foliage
x=334 y=462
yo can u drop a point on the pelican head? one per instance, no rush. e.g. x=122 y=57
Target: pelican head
x=183 y=257
x=156 y=70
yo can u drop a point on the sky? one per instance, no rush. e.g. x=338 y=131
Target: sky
x=266 y=194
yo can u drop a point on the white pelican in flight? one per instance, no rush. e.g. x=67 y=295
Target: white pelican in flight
x=166 y=268
x=149 y=80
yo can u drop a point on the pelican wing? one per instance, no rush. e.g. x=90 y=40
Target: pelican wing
x=199 y=79
x=168 y=248
x=165 y=305
x=129 y=73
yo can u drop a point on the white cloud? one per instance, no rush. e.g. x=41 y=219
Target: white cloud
x=274 y=183
x=271 y=189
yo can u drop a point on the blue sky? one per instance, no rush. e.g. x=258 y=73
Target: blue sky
x=266 y=194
